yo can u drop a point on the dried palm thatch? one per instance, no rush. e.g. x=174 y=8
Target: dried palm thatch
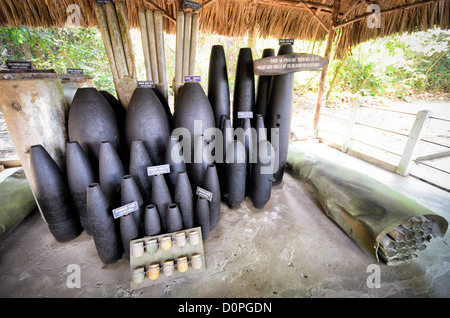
x=303 y=20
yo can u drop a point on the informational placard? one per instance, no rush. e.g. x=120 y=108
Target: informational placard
x=155 y=170
x=204 y=193
x=19 y=65
x=191 y=5
x=289 y=63
x=125 y=209
x=75 y=71
x=245 y=114
x=146 y=84
x=192 y=78
x=286 y=41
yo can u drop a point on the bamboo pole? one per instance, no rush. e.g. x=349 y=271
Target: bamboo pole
x=194 y=40
x=179 y=52
x=152 y=44
x=126 y=38
x=187 y=42
x=116 y=40
x=145 y=46
x=103 y=25
x=161 y=56
x=323 y=75
x=163 y=12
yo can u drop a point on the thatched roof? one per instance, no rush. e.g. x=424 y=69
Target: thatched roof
x=303 y=20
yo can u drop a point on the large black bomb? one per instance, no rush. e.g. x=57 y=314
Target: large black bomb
x=139 y=161
x=148 y=121
x=244 y=87
x=91 y=121
x=279 y=116
x=263 y=88
x=236 y=168
x=79 y=176
x=111 y=171
x=53 y=196
x=218 y=88
x=106 y=237
x=129 y=192
x=184 y=197
x=192 y=105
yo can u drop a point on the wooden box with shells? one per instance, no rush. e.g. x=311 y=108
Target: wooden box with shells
x=157 y=259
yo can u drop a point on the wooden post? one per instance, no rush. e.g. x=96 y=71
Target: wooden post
x=354 y=115
x=187 y=43
x=145 y=47
x=103 y=26
x=194 y=40
x=152 y=44
x=323 y=76
x=161 y=55
x=126 y=38
x=179 y=52
x=415 y=135
x=116 y=40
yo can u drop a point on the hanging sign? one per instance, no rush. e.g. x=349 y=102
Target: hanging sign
x=286 y=41
x=19 y=65
x=289 y=63
x=191 y=5
x=192 y=78
x=146 y=84
x=125 y=209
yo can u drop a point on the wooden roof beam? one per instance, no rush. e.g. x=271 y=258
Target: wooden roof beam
x=296 y=4
x=314 y=16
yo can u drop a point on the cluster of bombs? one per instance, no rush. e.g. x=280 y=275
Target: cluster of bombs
x=402 y=243
x=110 y=149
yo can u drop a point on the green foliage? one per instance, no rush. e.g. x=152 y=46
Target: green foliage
x=394 y=66
x=397 y=66
x=59 y=49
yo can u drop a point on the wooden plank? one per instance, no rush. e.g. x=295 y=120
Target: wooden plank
x=415 y=135
x=351 y=123
x=434 y=156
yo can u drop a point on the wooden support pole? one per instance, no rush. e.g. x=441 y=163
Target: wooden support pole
x=126 y=38
x=415 y=135
x=179 y=52
x=161 y=55
x=187 y=42
x=116 y=40
x=163 y=12
x=194 y=39
x=103 y=26
x=145 y=46
x=323 y=75
x=152 y=44
x=314 y=15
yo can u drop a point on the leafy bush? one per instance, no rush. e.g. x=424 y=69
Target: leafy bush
x=58 y=49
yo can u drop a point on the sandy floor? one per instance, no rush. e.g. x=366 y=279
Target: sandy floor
x=288 y=249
